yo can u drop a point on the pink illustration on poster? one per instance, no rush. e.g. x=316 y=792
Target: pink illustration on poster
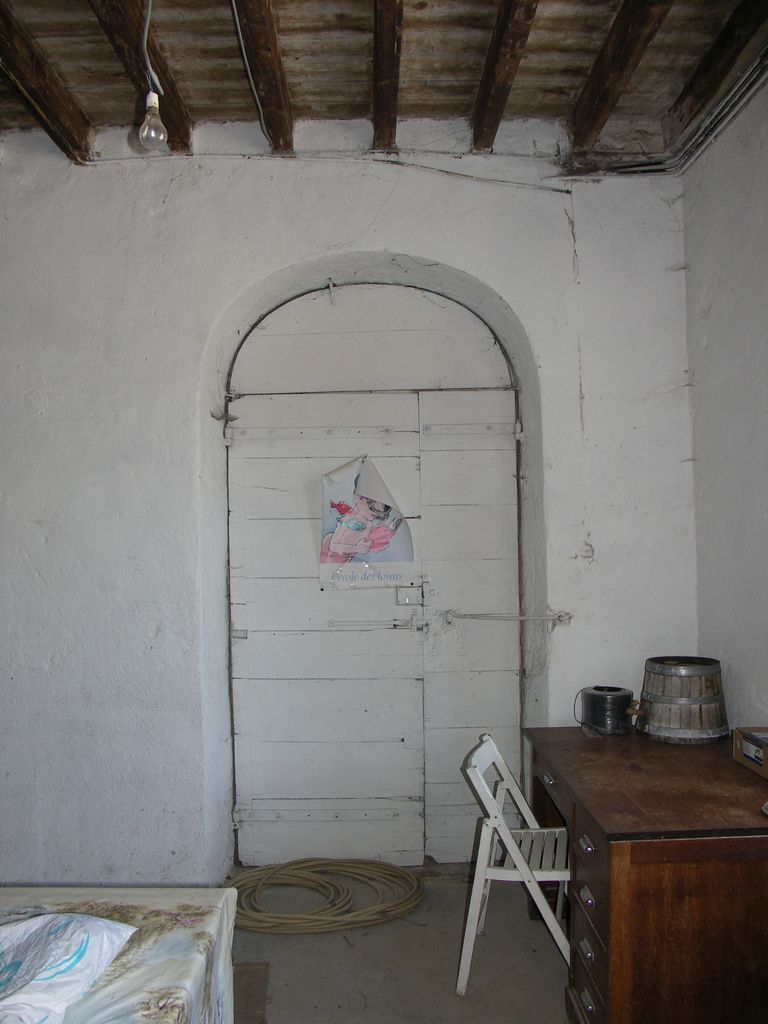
x=363 y=530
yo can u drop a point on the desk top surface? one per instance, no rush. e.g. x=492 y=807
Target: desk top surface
x=638 y=788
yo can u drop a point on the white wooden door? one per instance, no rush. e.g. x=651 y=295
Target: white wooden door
x=329 y=741
x=354 y=709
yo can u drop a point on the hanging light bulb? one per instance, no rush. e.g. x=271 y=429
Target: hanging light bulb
x=153 y=134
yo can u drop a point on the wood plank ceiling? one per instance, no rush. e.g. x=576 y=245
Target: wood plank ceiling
x=631 y=80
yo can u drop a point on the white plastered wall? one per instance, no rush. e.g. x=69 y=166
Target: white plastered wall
x=124 y=286
x=726 y=220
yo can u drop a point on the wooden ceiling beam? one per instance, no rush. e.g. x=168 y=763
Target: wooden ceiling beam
x=747 y=28
x=32 y=76
x=387 y=37
x=122 y=22
x=633 y=29
x=261 y=54
x=508 y=41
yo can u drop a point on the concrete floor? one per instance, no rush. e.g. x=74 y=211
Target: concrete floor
x=405 y=970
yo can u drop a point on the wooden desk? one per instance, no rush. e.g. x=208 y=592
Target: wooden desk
x=669 y=877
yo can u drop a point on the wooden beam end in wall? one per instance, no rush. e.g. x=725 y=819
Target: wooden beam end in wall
x=387 y=38
x=632 y=31
x=42 y=90
x=264 y=64
x=508 y=42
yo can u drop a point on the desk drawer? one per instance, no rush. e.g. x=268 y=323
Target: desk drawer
x=549 y=782
x=587 y=947
x=584 y=997
x=590 y=871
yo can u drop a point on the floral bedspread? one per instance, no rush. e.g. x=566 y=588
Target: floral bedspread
x=175 y=969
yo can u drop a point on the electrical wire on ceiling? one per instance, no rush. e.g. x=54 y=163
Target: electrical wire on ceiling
x=252 y=84
x=365 y=158
x=718 y=118
x=153 y=81
x=397 y=891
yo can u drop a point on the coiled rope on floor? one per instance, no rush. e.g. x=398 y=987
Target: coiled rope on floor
x=397 y=892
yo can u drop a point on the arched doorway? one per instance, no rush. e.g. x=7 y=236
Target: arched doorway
x=353 y=710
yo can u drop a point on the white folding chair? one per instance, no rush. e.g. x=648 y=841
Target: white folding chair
x=529 y=854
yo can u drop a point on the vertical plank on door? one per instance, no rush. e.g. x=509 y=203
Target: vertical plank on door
x=469 y=543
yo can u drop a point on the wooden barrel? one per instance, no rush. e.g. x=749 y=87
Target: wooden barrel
x=682 y=701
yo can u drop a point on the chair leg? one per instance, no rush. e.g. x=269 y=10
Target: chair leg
x=492 y=857
x=559 y=906
x=480 y=886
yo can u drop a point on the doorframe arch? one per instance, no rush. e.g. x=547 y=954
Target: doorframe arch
x=236 y=323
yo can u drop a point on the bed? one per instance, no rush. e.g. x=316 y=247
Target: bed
x=176 y=968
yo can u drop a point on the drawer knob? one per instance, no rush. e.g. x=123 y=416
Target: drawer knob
x=586 y=897
x=586 y=844
x=547 y=779
x=586 y=951
x=586 y=1001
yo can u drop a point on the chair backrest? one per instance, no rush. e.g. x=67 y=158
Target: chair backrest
x=492 y=793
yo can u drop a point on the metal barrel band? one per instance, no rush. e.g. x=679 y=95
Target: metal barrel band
x=660 y=698
x=683 y=666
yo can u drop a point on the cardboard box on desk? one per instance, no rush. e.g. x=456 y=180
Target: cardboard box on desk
x=750 y=748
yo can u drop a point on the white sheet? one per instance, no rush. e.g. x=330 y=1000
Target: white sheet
x=49 y=961
x=176 y=969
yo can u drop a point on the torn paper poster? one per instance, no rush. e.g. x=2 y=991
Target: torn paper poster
x=366 y=540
